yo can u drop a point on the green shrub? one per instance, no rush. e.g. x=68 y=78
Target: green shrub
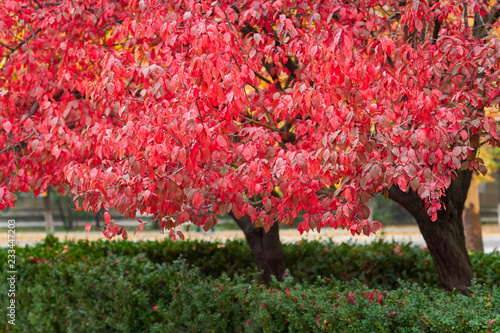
x=379 y=264
x=133 y=294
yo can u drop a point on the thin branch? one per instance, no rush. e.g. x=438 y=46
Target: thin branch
x=232 y=29
x=258 y=123
x=494 y=14
x=265 y=109
x=270 y=119
x=26 y=40
x=7 y=47
x=17 y=143
x=262 y=78
x=46 y=4
x=466 y=14
x=482 y=24
x=199 y=112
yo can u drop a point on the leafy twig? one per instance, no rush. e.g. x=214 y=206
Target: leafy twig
x=17 y=143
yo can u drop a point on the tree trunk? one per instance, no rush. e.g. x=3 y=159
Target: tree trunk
x=444 y=237
x=266 y=248
x=97 y=220
x=68 y=225
x=49 y=220
x=63 y=218
x=472 y=219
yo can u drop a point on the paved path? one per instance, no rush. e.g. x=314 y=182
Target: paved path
x=491 y=236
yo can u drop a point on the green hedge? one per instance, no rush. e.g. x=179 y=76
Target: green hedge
x=119 y=286
x=133 y=294
x=379 y=264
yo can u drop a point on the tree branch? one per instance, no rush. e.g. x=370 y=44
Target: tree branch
x=26 y=40
x=494 y=13
x=262 y=78
x=435 y=31
x=17 y=143
x=258 y=123
x=482 y=24
x=7 y=47
x=36 y=105
x=45 y=4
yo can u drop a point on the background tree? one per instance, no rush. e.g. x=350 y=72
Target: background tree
x=259 y=109
x=471 y=213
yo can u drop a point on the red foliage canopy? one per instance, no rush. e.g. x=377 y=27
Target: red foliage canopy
x=186 y=109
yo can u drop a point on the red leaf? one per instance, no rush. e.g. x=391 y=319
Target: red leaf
x=106 y=234
x=247 y=153
x=464 y=135
x=182 y=156
x=7 y=126
x=402 y=184
x=312 y=50
x=222 y=141
x=107 y=217
x=197 y=200
x=251 y=211
x=267 y=204
x=183 y=217
x=287 y=291
x=87 y=227
x=375 y=171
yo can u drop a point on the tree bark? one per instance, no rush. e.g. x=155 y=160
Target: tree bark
x=97 y=220
x=63 y=218
x=266 y=248
x=445 y=237
x=49 y=220
x=68 y=224
x=472 y=219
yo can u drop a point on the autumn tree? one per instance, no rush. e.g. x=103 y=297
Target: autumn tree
x=258 y=109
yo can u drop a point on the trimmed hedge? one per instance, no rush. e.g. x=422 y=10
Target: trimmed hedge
x=379 y=264
x=136 y=295
x=122 y=286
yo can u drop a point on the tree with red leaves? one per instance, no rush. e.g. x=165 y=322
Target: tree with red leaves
x=258 y=109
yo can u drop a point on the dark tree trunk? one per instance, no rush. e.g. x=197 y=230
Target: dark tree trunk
x=68 y=224
x=266 y=248
x=97 y=220
x=445 y=237
x=63 y=218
